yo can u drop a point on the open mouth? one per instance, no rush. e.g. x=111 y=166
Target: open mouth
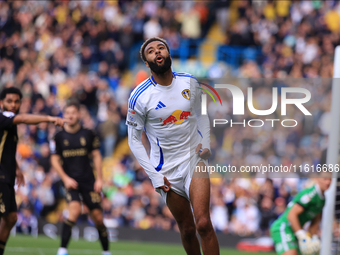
x=159 y=59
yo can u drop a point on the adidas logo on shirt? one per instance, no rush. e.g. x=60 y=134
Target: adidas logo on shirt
x=160 y=105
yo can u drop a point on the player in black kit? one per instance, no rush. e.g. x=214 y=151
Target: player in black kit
x=76 y=147
x=10 y=101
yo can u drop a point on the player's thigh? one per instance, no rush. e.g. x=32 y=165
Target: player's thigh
x=199 y=193
x=74 y=205
x=8 y=204
x=180 y=209
x=74 y=209
x=72 y=195
x=285 y=242
x=91 y=198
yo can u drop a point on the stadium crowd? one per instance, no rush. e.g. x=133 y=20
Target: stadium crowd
x=58 y=50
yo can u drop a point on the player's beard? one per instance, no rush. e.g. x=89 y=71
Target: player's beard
x=74 y=123
x=160 y=69
x=6 y=110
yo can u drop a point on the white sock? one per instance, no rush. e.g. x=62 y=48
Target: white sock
x=62 y=251
x=106 y=253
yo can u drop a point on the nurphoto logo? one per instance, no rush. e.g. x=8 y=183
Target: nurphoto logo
x=239 y=99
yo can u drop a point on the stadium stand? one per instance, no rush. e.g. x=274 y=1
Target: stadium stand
x=55 y=50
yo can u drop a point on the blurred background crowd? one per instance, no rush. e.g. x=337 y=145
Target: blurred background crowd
x=56 y=50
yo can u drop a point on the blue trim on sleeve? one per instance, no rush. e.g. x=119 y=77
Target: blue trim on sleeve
x=139 y=91
x=161 y=160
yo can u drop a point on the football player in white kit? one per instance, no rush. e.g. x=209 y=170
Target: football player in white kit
x=167 y=106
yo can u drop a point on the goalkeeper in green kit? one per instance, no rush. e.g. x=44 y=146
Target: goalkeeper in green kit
x=287 y=231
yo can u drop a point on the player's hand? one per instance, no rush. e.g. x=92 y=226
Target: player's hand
x=316 y=244
x=204 y=154
x=57 y=121
x=70 y=183
x=98 y=185
x=166 y=187
x=20 y=178
x=305 y=242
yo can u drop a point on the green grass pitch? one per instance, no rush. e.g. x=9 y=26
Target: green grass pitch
x=27 y=245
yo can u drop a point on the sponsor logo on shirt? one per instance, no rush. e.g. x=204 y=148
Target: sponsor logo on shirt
x=74 y=152
x=131 y=116
x=177 y=117
x=160 y=105
x=132 y=123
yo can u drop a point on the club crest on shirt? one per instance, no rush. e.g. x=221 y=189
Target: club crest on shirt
x=82 y=141
x=66 y=143
x=305 y=199
x=186 y=94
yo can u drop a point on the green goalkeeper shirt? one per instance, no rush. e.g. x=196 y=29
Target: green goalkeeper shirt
x=310 y=199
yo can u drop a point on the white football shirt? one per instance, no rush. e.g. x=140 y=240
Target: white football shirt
x=168 y=114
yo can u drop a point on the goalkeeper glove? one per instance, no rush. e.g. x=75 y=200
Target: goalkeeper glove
x=316 y=245
x=305 y=242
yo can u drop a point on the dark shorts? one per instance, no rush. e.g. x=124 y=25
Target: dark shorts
x=86 y=194
x=7 y=199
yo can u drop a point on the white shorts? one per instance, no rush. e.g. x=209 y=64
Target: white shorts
x=180 y=177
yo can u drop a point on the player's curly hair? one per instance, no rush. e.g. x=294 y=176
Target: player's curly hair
x=10 y=90
x=152 y=39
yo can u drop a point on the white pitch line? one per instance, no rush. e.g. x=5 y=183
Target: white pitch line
x=77 y=251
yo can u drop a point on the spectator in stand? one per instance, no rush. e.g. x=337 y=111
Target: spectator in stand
x=267 y=215
x=54 y=51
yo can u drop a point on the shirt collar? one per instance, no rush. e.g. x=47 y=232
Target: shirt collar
x=318 y=190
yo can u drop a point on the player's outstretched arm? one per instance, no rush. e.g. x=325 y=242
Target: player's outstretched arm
x=68 y=181
x=305 y=242
x=32 y=119
x=139 y=151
